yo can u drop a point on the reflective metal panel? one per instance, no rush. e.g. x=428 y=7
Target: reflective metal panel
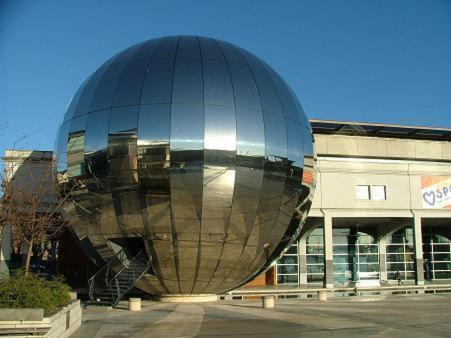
x=244 y=87
x=217 y=83
x=128 y=90
x=157 y=86
x=193 y=150
x=187 y=85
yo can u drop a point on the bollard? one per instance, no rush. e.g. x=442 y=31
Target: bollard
x=268 y=302
x=322 y=295
x=134 y=304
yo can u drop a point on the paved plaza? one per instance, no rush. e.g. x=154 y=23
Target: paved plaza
x=393 y=316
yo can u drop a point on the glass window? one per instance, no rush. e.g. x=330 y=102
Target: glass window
x=442 y=266
x=128 y=91
x=395 y=258
x=395 y=248
x=188 y=84
x=287 y=269
x=363 y=192
x=218 y=86
x=442 y=256
x=157 y=86
x=369 y=258
x=378 y=192
x=315 y=269
x=315 y=260
x=441 y=247
x=368 y=248
x=313 y=249
x=443 y=275
x=315 y=278
x=340 y=259
x=340 y=249
x=287 y=279
x=288 y=259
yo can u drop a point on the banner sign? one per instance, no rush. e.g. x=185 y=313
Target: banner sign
x=436 y=192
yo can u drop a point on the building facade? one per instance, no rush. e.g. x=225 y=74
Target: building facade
x=28 y=170
x=382 y=208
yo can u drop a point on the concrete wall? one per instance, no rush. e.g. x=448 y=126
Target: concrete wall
x=380 y=147
x=347 y=161
x=60 y=325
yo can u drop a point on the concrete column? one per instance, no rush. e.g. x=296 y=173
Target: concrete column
x=418 y=250
x=382 y=261
x=328 y=252
x=302 y=253
x=5 y=249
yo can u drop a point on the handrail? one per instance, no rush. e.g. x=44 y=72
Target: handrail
x=117 y=283
x=282 y=291
x=130 y=263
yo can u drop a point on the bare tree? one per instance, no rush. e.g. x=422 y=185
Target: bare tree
x=31 y=202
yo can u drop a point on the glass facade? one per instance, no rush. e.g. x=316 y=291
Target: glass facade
x=436 y=253
x=356 y=255
x=315 y=257
x=194 y=147
x=400 y=255
x=288 y=267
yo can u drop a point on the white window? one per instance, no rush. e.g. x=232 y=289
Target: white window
x=363 y=192
x=378 y=193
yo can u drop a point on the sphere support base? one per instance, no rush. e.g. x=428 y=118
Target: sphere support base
x=174 y=298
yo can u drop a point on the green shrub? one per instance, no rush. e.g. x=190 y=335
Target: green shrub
x=33 y=291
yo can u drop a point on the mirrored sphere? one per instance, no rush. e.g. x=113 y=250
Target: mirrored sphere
x=192 y=150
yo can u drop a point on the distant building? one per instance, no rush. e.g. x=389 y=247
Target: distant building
x=24 y=168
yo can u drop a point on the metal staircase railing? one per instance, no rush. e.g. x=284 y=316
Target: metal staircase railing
x=107 y=287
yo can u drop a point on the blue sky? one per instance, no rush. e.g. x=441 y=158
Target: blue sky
x=381 y=61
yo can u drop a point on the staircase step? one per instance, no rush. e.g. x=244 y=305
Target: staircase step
x=118 y=283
